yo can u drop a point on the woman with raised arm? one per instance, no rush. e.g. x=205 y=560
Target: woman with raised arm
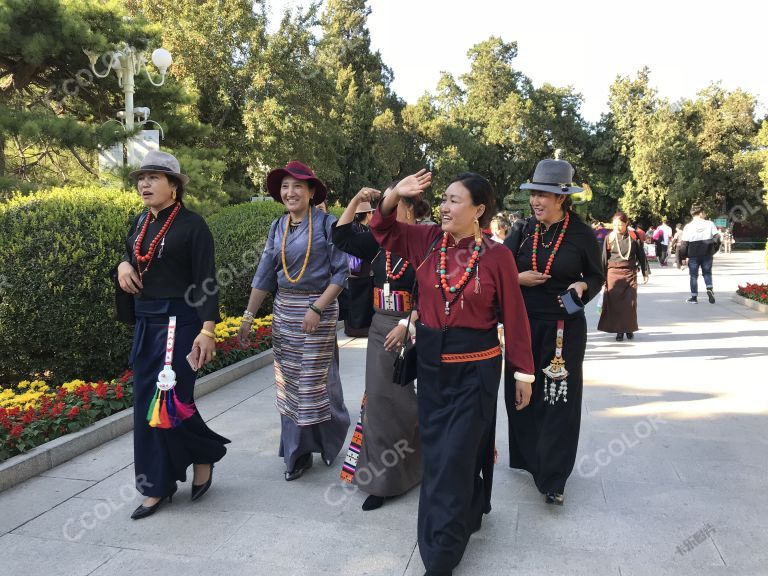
x=384 y=457
x=467 y=284
x=306 y=272
x=557 y=258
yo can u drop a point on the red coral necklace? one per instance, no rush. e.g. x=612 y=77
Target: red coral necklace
x=537 y=235
x=145 y=260
x=388 y=267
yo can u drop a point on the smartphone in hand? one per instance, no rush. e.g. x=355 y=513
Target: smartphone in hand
x=571 y=301
x=194 y=358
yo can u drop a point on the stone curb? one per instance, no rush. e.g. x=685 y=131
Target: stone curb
x=46 y=456
x=738 y=298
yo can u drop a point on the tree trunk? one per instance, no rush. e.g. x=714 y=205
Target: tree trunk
x=2 y=154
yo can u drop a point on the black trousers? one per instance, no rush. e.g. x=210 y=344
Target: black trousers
x=457 y=419
x=543 y=438
x=162 y=456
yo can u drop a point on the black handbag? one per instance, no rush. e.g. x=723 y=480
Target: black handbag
x=124 y=311
x=404 y=371
x=405 y=362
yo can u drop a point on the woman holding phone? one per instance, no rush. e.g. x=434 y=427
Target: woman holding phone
x=168 y=260
x=559 y=266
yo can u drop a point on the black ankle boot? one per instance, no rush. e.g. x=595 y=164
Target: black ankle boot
x=373 y=502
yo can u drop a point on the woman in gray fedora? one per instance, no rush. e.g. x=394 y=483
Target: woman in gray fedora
x=557 y=258
x=168 y=267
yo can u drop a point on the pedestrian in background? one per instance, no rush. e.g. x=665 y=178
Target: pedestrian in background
x=622 y=256
x=699 y=242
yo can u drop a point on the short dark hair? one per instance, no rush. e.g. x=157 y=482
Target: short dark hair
x=696 y=209
x=421 y=208
x=481 y=192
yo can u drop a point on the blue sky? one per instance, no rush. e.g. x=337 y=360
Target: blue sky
x=687 y=45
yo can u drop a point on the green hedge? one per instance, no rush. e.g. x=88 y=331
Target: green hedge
x=239 y=233
x=56 y=298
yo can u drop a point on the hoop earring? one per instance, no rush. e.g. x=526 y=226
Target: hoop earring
x=173 y=195
x=478 y=235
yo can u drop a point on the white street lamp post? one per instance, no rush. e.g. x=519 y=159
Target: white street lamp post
x=127 y=63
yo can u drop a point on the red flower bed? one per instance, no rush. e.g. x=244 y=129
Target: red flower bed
x=32 y=413
x=757 y=292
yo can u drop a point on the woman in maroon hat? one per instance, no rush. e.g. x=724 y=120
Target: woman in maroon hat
x=306 y=272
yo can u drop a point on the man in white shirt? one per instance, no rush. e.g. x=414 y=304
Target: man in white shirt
x=661 y=238
x=699 y=242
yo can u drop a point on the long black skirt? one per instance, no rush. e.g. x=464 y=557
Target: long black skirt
x=543 y=437
x=162 y=456
x=457 y=417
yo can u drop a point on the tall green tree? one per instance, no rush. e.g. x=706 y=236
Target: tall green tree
x=288 y=113
x=217 y=46
x=53 y=110
x=48 y=103
x=371 y=142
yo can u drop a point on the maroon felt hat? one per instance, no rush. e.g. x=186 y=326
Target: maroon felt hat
x=297 y=170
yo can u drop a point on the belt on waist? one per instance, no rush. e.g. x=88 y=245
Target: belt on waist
x=471 y=356
x=397 y=301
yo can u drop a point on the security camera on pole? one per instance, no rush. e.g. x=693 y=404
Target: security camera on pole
x=126 y=64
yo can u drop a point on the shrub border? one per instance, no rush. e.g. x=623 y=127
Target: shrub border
x=749 y=303
x=21 y=467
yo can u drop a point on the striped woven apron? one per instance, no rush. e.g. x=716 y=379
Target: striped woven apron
x=302 y=360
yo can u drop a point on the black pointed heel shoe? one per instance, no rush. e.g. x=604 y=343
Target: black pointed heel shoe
x=146 y=511
x=198 y=491
x=303 y=464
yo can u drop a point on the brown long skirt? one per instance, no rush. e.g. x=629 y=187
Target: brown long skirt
x=620 y=301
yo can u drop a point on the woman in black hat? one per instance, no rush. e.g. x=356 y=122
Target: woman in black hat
x=169 y=268
x=306 y=272
x=557 y=258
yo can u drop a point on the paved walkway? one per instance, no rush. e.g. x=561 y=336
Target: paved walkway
x=670 y=479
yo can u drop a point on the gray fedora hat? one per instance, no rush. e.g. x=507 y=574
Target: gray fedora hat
x=554 y=176
x=364 y=207
x=157 y=161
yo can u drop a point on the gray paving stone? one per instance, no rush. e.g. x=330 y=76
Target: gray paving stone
x=30 y=556
x=176 y=526
x=296 y=545
x=36 y=496
x=97 y=463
